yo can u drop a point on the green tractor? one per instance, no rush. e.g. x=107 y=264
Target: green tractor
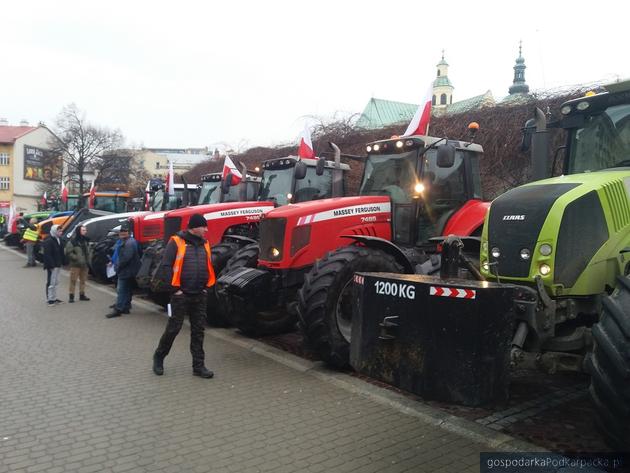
x=565 y=243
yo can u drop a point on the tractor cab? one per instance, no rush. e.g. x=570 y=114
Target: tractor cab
x=292 y=180
x=212 y=191
x=159 y=200
x=427 y=180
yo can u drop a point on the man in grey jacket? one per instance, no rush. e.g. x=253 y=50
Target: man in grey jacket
x=187 y=268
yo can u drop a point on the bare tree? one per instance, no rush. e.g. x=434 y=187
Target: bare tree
x=82 y=145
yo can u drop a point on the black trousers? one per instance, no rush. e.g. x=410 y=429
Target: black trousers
x=195 y=307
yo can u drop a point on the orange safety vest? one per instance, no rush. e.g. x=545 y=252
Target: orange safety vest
x=179 y=262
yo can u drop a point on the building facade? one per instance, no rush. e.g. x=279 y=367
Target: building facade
x=25 y=164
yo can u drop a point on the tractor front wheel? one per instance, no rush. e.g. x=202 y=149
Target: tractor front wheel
x=609 y=365
x=325 y=299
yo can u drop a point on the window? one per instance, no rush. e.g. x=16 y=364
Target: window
x=4 y=159
x=4 y=183
x=157 y=165
x=443 y=99
x=438 y=73
x=433 y=100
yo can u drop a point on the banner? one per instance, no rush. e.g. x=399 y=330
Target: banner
x=38 y=165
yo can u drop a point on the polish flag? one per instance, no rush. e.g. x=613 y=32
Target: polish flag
x=305 y=149
x=44 y=200
x=64 y=192
x=420 y=122
x=230 y=167
x=147 y=195
x=170 y=180
x=92 y=195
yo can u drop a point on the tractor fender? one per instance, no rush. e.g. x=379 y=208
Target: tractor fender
x=386 y=246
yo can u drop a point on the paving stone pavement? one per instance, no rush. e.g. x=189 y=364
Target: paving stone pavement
x=77 y=394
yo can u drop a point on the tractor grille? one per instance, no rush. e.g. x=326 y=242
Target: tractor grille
x=620 y=210
x=515 y=221
x=151 y=230
x=583 y=217
x=171 y=226
x=272 y=236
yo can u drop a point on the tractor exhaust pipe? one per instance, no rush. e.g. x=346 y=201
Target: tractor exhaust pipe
x=185 y=195
x=337 y=181
x=536 y=137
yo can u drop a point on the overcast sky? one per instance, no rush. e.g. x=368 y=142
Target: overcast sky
x=245 y=73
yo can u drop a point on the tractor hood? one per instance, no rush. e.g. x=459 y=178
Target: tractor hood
x=214 y=208
x=325 y=209
x=577 y=220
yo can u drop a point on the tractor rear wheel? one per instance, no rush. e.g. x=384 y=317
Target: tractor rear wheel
x=221 y=253
x=325 y=299
x=609 y=365
x=101 y=255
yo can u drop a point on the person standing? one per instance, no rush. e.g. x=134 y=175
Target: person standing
x=53 y=261
x=77 y=255
x=187 y=267
x=30 y=238
x=127 y=265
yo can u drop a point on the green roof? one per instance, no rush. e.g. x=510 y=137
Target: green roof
x=379 y=113
x=442 y=81
x=472 y=103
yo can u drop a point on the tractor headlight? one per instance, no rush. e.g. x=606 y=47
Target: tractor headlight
x=289 y=196
x=485 y=266
x=495 y=252
x=399 y=144
x=275 y=252
x=565 y=110
x=525 y=254
x=545 y=249
x=377 y=147
x=545 y=269
x=583 y=105
x=368 y=149
x=418 y=188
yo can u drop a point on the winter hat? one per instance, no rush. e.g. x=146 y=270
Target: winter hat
x=54 y=231
x=196 y=221
x=125 y=227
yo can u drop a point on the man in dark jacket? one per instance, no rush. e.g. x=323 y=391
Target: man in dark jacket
x=127 y=265
x=53 y=261
x=187 y=268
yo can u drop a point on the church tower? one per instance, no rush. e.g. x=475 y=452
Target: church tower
x=442 y=87
x=519 y=86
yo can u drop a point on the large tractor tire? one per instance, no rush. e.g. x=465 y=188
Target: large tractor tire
x=609 y=365
x=221 y=254
x=325 y=299
x=100 y=255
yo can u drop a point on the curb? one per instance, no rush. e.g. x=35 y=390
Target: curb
x=429 y=415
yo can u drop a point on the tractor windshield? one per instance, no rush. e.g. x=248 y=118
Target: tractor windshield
x=391 y=174
x=114 y=203
x=276 y=185
x=603 y=142
x=313 y=187
x=210 y=193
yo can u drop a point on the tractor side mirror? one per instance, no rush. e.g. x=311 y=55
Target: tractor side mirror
x=321 y=164
x=446 y=156
x=300 y=170
x=226 y=183
x=527 y=131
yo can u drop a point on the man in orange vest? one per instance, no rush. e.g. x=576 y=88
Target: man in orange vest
x=186 y=265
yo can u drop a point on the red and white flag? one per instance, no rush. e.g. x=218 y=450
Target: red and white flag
x=92 y=195
x=305 y=149
x=147 y=195
x=64 y=192
x=230 y=167
x=170 y=180
x=419 y=124
x=44 y=200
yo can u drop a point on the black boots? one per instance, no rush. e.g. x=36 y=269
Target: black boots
x=71 y=298
x=158 y=365
x=82 y=297
x=203 y=372
x=114 y=313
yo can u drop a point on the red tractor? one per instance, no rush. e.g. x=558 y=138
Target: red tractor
x=149 y=229
x=234 y=225
x=413 y=189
